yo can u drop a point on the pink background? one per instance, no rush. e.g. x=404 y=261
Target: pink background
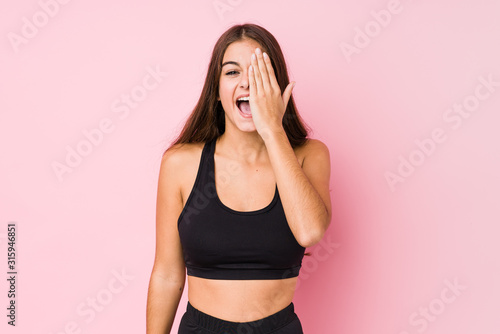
x=385 y=261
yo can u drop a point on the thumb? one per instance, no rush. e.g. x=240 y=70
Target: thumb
x=287 y=93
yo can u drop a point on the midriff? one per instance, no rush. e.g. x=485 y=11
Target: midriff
x=240 y=300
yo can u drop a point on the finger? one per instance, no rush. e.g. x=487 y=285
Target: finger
x=266 y=84
x=272 y=75
x=287 y=93
x=256 y=73
x=251 y=79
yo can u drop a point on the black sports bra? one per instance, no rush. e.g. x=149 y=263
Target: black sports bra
x=221 y=243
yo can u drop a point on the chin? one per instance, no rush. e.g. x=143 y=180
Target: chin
x=242 y=124
x=247 y=128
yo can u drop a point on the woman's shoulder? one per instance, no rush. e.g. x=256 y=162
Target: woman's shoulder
x=180 y=162
x=312 y=143
x=311 y=146
x=182 y=154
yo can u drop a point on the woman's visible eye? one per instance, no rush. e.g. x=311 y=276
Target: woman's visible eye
x=231 y=72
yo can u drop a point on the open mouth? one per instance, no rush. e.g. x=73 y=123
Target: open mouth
x=244 y=105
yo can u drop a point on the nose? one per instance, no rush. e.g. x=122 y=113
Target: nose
x=244 y=80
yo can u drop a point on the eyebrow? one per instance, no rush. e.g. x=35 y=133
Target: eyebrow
x=230 y=62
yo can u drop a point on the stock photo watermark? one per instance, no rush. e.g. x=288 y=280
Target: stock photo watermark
x=199 y=199
x=454 y=116
x=363 y=36
x=94 y=137
x=31 y=27
x=11 y=237
x=429 y=313
x=223 y=6
x=87 y=310
x=322 y=252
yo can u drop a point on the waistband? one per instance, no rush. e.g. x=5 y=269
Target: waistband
x=261 y=326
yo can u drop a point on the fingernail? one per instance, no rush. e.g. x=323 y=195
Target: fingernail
x=253 y=56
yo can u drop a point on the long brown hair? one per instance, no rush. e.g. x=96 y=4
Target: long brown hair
x=207 y=120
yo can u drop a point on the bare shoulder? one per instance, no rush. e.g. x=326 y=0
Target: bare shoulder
x=182 y=154
x=312 y=147
x=181 y=161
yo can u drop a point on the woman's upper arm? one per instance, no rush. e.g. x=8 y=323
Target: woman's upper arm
x=169 y=260
x=316 y=166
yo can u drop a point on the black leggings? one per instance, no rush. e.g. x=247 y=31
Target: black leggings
x=282 y=322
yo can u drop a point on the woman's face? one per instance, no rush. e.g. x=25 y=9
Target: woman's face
x=233 y=82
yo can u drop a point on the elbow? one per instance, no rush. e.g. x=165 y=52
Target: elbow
x=311 y=240
x=314 y=235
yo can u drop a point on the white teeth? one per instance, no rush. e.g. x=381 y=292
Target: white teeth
x=247 y=98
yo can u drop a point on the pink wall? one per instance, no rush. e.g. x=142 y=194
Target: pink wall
x=405 y=94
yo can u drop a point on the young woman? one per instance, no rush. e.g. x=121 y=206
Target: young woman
x=242 y=192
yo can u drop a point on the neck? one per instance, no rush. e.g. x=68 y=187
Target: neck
x=242 y=146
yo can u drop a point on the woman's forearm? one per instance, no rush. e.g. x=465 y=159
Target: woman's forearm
x=163 y=301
